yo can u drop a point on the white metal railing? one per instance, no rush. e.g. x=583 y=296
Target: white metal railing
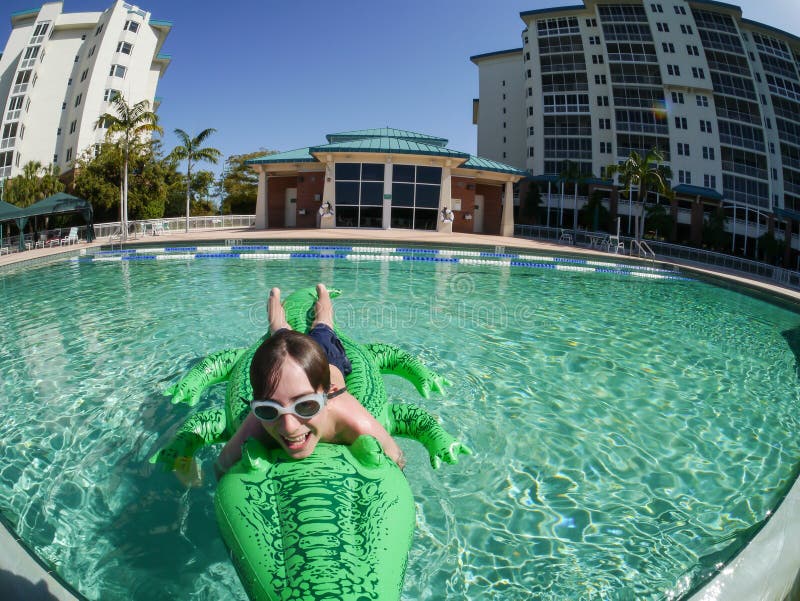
x=149 y=227
x=642 y=249
x=685 y=254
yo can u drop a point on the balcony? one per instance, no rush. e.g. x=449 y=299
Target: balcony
x=741 y=169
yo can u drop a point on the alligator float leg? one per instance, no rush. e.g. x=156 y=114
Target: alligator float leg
x=414 y=422
x=396 y=361
x=213 y=369
x=199 y=430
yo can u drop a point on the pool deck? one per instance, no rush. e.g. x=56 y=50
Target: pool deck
x=765 y=569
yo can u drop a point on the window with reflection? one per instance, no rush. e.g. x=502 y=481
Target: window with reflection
x=415 y=196
x=359 y=194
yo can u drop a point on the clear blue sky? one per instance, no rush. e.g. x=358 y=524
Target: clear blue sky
x=282 y=74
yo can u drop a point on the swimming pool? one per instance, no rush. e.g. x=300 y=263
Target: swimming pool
x=630 y=430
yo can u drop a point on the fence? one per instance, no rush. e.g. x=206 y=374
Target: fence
x=675 y=252
x=136 y=229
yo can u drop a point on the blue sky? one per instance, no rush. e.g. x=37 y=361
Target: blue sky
x=280 y=75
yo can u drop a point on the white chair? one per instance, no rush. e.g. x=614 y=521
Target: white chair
x=158 y=229
x=71 y=237
x=565 y=237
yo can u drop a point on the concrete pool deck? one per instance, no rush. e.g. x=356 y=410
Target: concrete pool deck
x=766 y=569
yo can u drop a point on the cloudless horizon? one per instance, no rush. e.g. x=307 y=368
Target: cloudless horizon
x=279 y=76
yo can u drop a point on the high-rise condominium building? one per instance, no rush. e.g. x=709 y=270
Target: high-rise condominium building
x=60 y=70
x=717 y=94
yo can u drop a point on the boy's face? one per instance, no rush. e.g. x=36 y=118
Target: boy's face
x=297 y=436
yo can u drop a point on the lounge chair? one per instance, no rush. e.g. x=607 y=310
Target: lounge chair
x=158 y=229
x=71 y=237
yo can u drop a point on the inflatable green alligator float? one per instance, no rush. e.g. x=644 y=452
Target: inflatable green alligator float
x=338 y=524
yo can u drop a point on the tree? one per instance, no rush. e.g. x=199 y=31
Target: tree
x=594 y=215
x=646 y=174
x=571 y=172
x=239 y=184
x=531 y=205
x=772 y=249
x=714 y=234
x=191 y=151
x=203 y=185
x=33 y=184
x=129 y=128
x=660 y=221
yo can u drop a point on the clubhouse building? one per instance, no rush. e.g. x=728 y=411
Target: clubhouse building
x=385 y=178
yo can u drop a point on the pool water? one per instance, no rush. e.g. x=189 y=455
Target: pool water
x=629 y=434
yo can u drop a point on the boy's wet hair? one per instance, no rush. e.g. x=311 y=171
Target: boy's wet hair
x=266 y=365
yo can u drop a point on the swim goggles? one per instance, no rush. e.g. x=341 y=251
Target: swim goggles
x=305 y=407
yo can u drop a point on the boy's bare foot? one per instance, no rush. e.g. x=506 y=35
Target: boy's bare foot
x=277 y=316
x=323 y=309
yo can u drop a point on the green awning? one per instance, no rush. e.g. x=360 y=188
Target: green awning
x=57 y=204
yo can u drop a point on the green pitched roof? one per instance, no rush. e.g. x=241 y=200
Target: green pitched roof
x=389 y=145
x=299 y=155
x=482 y=164
x=8 y=211
x=386 y=140
x=385 y=132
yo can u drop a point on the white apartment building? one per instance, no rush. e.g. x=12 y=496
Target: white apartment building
x=58 y=72
x=717 y=94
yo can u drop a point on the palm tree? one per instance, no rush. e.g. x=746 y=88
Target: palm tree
x=571 y=172
x=129 y=128
x=191 y=152
x=646 y=173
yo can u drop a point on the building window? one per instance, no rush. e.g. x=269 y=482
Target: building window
x=605 y=123
x=78 y=99
x=680 y=123
x=124 y=47
x=605 y=148
x=91 y=52
x=69 y=154
x=359 y=194
x=668 y=47
x=687 y=29
x=98 y=30
x=58 y=131
x=530 y=130
x=530 y=151
x=597 y=59
x=602 y=101
x=77 y=58
x=119 y=71
x=663 y=27
x=774 y=173
x=131 y=26
x=529 y=73
x=679 y=10
x=504 y=155
x=697 y=73
x=109 y=94
x=530 y=111
x=55 y=159
x=705 y=126
x=674 y=70
x=72 y=127
x=591 y=22
x=769 y=123
x=758 y=77
x=684 y=177
x=27 y=105
x=600 y=79
x=702 y=100
x=656 y=8
x=63 y=106
x=692 y=50
x=415 y=197
x=772 y=147
x=683 y=149
x=677 y=97
x=504 y=139
x=84 y=74
x=710 y=181
x=708 y=153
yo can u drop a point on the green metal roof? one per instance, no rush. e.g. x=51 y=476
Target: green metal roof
x=299 y=155
x=554 y=9
x=698 y=191
x=394 y=141
x=159 y=23
x=385 y=132
x=389 y=145
x=481 y=164
x=30 y=11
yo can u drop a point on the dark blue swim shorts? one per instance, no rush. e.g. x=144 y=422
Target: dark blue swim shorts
x=330 y=343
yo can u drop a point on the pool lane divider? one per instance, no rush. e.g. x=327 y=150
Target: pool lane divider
x=373 y=253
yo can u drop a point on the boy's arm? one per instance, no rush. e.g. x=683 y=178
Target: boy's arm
x=357 y=421
x=232 y=451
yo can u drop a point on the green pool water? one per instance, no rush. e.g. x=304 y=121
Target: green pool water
x=629 y=434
